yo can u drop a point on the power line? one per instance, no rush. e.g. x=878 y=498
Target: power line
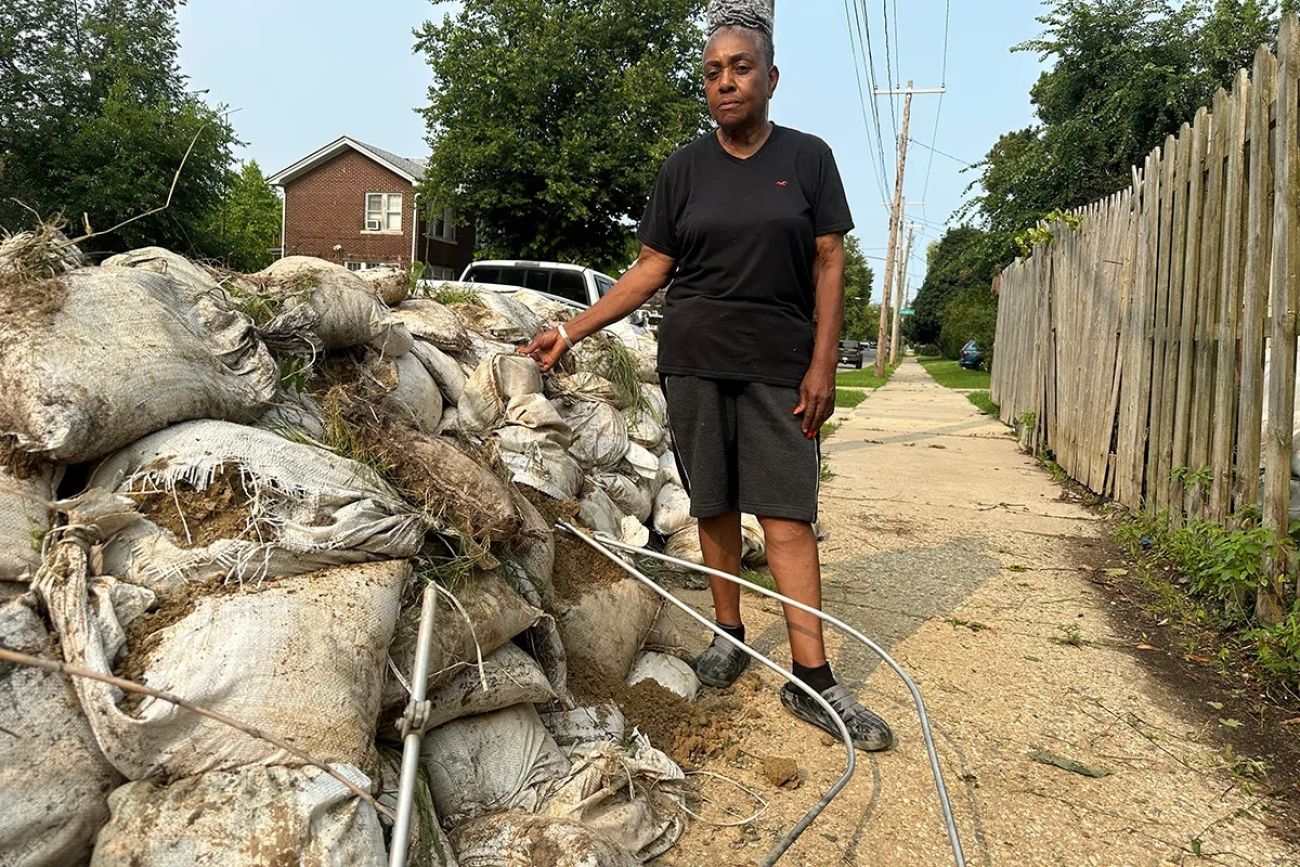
x=934 y=137
x=889 y=72
x=932 y=149
x=864 y=38
x=876 y=171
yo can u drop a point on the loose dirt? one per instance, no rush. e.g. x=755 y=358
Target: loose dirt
x=579 y=567
x=222 y=510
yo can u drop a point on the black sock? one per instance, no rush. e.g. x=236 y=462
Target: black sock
x=819 y=678
x=736 y=632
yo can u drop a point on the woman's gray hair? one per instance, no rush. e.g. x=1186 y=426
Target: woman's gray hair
x=754 y=16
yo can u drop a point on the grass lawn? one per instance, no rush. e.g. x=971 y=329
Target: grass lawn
x=948 y=373
x=864 y=378
x=847 y=398
x=986 y=405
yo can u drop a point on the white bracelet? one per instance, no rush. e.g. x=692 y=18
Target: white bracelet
x=564 y=335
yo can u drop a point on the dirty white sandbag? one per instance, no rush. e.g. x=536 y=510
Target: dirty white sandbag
x=497 y=761
x=530 y=416
x=627 y=796
x=390 y=285
x=521 y=840
x=642 y=465
x=586 y=626
x=301 y=658
x=453 y=490
x=626 y=494
x=600 y=433
x=752 y=540
x=685 y=545
x=511 y=676
x=496 y=613
x=416 y=396
x=584 y=386
x=500 y=316
x=644 y=429
x=672 y=512
x=122 y=354
x=163 y=261
x=546 y=307
x=598 y=512
x=533 y=548
x=443 y=368
x=294 y=413
x=326 y=298
x=450 y=420
x=24 y=516
x=493 y=384
x=585 y=724
x=669 y=472
x=635 y=532
x=542 y=465
x=310 y=508
x=54 y=783
x=428 y=320
x=669 y=672
x=676 y=633
x=252 y=816
x=655 y=401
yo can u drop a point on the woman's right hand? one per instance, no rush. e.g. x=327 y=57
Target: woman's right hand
x=546 y=349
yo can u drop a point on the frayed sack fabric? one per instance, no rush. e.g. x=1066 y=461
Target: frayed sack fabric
x=495 y=382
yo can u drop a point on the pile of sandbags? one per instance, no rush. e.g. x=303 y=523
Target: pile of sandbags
x=234 y=489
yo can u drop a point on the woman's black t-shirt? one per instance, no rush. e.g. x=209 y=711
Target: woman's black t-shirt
x=743 y=234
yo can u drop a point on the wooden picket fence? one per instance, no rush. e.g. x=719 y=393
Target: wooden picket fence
x=1152 y=347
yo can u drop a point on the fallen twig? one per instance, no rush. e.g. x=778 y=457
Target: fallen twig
x=69 y=670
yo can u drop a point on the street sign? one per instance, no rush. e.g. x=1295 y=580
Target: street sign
x=907 y=311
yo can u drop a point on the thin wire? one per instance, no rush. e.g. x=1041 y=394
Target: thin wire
x=933 y=149
x=889 y=72
x=863 y=23
x=943 y=83
x=876 y=173
x=898 y=64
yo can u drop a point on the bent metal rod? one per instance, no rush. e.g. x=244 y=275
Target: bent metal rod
x=601 y=540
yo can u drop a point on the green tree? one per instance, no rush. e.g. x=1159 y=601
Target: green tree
x=246 y=225
x=95 y=120
x=548 y=119
x=861 y=317
x=971 y=315
x=1126 y=73
x=965 y=258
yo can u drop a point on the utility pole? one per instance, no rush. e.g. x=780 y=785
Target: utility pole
x=895 y=219
x=901 y=296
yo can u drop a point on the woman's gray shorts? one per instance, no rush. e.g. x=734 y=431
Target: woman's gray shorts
x=739 y=445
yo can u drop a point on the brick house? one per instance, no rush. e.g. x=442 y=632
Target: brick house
x=355 y=204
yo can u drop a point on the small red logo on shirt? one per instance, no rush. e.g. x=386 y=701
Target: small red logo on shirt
x=783 y=183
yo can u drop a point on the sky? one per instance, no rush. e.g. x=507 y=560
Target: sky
x=300 y=73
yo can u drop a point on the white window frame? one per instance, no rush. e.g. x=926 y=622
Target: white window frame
x=358 y=265
x=448 y=220
x=386 y=208
x=439 y=272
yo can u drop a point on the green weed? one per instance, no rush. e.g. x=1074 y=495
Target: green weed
x=984 y=403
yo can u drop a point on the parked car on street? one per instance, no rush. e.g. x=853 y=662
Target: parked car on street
x=971 y=356
x=851 y=353
x=571 y=283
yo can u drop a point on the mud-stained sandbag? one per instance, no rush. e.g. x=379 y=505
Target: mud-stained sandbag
x=521 y=840
x=497 y=761
x=753 y=542
x=499 y=316
x=428 y=320
x=626 y=494
x=325 y=298
x=630 y=797
x=416 y=397
x=253 y=816
x=546 y=307
x=600 y=433
x=103 y=356
x=655 y=401
x=533 y=548
x=451 y=489
x=644 y=429
x=294 y=415
x=643 y=466
x=25 y=492
x=592 y=645
x=496 y=612
x=685 y=545
x=672 y=511
x=163 y=261
x=598 y=512
x=603 y=722
x=54 y=783
x=678 y=634
x=389 y=284
x=495 y=382
x=535 y=444
x=509 y=677
x=582 y=386
x=302 y=507
x=443 y=368
x=668 y=671
x=301 y=658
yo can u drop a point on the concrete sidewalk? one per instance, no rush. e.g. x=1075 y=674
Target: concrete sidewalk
x=959 y=554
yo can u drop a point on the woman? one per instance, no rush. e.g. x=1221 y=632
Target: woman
x=748 y=222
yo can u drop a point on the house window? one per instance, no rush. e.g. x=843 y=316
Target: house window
x=352 y=265
x=383 y=212
x=438 y=272
x=443 y=227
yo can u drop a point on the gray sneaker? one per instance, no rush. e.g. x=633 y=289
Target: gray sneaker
x=869 y=732
x=720 y=664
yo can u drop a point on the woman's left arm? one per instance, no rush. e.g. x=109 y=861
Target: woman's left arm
x=817 y=393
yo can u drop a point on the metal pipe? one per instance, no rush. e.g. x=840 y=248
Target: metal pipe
x=786 y=842
x=945 y=804
x=414 y=721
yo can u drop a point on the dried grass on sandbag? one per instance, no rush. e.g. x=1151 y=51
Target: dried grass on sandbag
x=35 y=254
x=301 y=658
x=496 y=613
x=54 y=782
x=122 y=354
x=333 y=303
x=308 y=507
x=253 y=816
x=520 y=840
x=294 y=415
x=390 y=285
x=606 y=355
x=503 y=760
x=582 y=386
x=434 y=322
